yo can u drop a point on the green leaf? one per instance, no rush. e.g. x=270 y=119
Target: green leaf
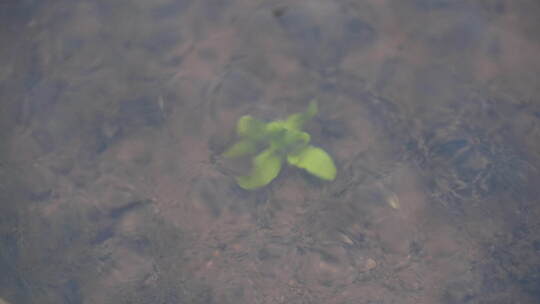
x=266 y=167
x=296 y=121
x=313 y=108
x=241 y=148
x=315 y=161
x=250 y=127
x=275 y=127
x=296 y=137
x=294 y=140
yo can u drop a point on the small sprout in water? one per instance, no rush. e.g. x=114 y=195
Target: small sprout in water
x=282 y=140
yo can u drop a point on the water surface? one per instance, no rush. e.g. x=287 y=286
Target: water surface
x=114 y=115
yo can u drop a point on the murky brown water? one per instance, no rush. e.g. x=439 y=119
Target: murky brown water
x=114 y=115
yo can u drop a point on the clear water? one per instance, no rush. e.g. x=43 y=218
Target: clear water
x=114 y=115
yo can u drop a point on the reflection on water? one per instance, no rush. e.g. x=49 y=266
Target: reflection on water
x=114 y=116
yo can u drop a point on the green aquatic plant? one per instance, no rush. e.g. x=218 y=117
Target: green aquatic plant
x=279 y=140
